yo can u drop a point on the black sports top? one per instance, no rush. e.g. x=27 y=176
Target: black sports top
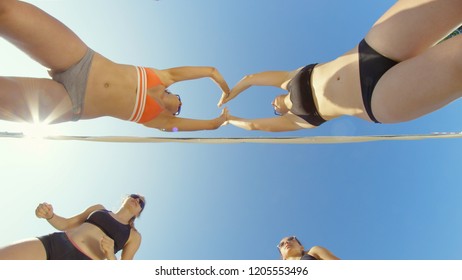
x=111 y=227
x=301 y=96
x=308 y=257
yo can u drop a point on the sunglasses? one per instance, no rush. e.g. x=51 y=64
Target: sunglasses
x=179 y=99
x=179 y=107
x=276 y=111
x=289 y=239
x=138 y=198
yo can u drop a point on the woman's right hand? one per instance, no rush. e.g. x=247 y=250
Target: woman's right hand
x=223 y=118
x=268 y=78
x=107 y=247
x=242 y=85
x=44 y=210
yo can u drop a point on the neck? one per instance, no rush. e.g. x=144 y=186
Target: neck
x=287 y=102
x=294 y=258
x=124 y=214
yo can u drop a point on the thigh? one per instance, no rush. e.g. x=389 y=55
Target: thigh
x=40 y=35
x=421 y=84
x=410 y=27
x=31 y=249
x=34 y=100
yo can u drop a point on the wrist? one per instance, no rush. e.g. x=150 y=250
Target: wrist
x=218 y=122
x=52 y=216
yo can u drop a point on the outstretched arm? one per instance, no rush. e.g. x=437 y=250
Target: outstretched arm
x=45 y=211
x=178 y=74
x=269 y=78
x=166 y=122
x=322 y=253
x=286 y=122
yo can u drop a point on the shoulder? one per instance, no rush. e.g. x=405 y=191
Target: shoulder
x=296 y=120
x=135 y=236
x=166 y=76
x=97 y=207
x=94 y=208
x=291 y=75
x=317 y=251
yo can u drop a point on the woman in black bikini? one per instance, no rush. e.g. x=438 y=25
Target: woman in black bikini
x=94 y=234
x=396 y=74
x=290 y=248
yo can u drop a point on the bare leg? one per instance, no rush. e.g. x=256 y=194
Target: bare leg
x=421 y=84
x=428 y=77
x=410 y=27
x=41 y=36
x=31 y=249
x=34 y=100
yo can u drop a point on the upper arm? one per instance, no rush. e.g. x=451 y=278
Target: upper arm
x=80 y=218
x=132 y=245
x=172 y=75
x=269 y=78
x=178 y=74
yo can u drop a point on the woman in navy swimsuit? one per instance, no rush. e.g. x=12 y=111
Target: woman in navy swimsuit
x=398 y=73
x=290 y=248
x=94 y=234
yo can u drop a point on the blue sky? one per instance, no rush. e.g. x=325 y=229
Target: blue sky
x=376 y=200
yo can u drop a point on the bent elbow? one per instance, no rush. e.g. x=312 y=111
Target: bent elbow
x=213 y=71
x=252 y=126
x=248 y=77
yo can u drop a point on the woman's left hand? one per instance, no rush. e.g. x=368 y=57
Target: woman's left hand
x=107 y=246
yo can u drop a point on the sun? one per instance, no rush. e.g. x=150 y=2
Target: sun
x=35 y=139
x=38 y=130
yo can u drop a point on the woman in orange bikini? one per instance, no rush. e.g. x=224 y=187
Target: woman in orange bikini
x=87 y=85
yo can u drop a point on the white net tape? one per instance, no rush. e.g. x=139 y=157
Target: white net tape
x=264 y=140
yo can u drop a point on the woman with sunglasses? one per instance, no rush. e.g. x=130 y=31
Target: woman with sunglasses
x=398 y=73
x=290 y=248
x=94 y=234
x=87 y=85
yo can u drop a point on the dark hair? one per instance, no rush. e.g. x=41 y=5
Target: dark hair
x=300 y=243
x=131 y=222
